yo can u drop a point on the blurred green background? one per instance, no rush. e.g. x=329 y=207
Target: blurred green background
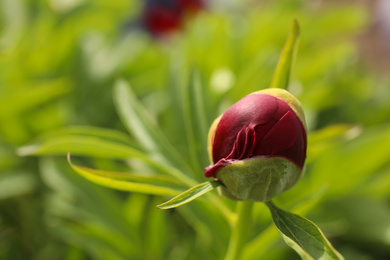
x=59 y=61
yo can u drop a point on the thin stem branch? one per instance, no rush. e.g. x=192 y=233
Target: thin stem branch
x=240 y=231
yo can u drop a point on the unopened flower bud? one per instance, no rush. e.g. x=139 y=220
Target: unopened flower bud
x=258 y=146
x=163 y=17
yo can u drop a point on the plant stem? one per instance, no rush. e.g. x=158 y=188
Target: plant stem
x=240 y=231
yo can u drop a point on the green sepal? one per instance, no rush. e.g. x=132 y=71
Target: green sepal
x=210 y=137
x=190 y=194
x=258 y=178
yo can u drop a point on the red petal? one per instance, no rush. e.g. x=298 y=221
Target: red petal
x=211 y=170
x=254 y=109
x=245 y=143
x=282 y=136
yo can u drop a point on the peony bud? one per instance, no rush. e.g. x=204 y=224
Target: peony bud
x=161 y=17
x=258 y=146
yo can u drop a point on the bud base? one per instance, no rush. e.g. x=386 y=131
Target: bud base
x=258 y=178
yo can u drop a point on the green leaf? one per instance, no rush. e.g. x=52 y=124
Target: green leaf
x=144 y=129
x=327 y=137
x=27 y=98
x=83 y=140
x=190 y=194
x=198 y=118
x=96 y=142
x=81 y=130
x=80 y=145
x=101 y=204
x=8 y=157
x=158 y=226
x=112 y=243
x=148 y=184
x=302 y=235
x=16 y=183
x=283 y=70
x=189 y=102
x=258 y=247
x=361 y=157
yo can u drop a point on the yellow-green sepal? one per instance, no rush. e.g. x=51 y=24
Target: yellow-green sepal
x=210 y=137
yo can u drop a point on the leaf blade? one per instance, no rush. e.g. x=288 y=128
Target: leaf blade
x=190 y=194
x=80 y=145
x=99 y=143
x=16 y=183
x=139 y=184
x=302 y=235
x=282 y=74
x=138 y=122
x=29 y=98
x=85 y=130
x=192 y=107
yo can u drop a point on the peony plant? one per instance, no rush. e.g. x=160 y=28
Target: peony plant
x=257 y=150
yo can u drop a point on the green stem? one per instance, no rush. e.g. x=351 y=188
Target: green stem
x=240 y=231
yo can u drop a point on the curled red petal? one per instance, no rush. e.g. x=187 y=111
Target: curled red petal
x=211 y=170
x=245 y=143
x=254 y=109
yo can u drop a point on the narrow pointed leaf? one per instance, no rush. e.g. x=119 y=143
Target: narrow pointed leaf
x=283 y=70
x=16 y=183
x=155 y=185
x=83 y=140
x=80 y=145
x=100 y=143
x=302 y=235
x=104 y=205
x=194 y=119
x=140 y=124
x=98 y=132
x=32 y=96
x=190 y=195
x=199 y=116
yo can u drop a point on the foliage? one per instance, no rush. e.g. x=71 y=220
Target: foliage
x=59 y=67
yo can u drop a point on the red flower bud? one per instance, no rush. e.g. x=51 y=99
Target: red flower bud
x=162 y=20
x=161 y=17
x=264 y=124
